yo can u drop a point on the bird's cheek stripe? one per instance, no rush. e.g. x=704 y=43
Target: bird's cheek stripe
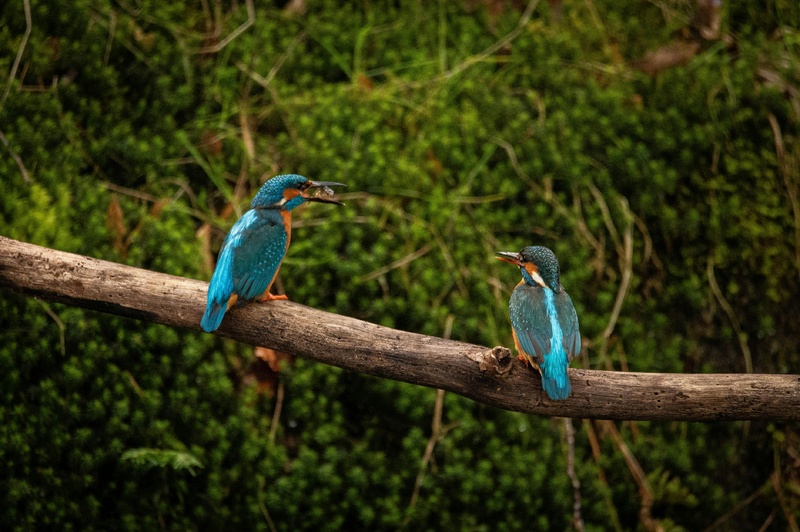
x=533 y=271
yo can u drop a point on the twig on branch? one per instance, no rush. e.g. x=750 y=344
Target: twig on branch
x=489 y=376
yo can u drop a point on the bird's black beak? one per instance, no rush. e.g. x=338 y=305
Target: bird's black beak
x=509 y=257
x=321 y=192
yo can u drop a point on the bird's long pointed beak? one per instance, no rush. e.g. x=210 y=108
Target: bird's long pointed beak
x=321 y=192
x=510 y=257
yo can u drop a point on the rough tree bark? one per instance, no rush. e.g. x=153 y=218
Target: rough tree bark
x=490 y=376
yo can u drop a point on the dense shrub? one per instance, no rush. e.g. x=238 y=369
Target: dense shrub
x=138 y=141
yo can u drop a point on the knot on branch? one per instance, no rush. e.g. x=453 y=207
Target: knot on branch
x=496 y=361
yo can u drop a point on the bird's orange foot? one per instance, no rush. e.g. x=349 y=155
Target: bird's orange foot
x=269 y=297
x=523 y=358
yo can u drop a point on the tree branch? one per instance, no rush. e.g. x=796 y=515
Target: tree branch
x=490 y=376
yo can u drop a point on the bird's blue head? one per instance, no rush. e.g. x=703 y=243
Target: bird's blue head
x=539 y=266
x=285 y=192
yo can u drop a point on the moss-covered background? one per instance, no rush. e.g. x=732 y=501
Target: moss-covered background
x=137 y=131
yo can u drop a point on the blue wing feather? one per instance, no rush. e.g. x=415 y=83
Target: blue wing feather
x=568 y=319
x=530 y=322
x=260 y=254
x=247 y=264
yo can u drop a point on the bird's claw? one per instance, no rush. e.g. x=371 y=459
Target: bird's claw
x=269 y=297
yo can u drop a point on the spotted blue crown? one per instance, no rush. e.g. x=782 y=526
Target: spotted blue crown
x=271 y=193
x=547 y=263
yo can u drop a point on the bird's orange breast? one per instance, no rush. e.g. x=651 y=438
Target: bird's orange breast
x=287 y=223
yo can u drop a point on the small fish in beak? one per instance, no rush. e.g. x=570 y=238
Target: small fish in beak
x=321 y=191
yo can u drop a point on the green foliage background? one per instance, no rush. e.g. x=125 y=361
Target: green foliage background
x=139 y=144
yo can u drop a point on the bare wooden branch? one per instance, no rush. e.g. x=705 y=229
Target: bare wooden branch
x=490 y=376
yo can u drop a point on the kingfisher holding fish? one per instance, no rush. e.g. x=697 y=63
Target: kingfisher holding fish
x=256 y=244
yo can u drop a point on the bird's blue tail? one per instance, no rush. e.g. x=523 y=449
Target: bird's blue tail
x=220 y=290
x=213 y=316
x=555 y=380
